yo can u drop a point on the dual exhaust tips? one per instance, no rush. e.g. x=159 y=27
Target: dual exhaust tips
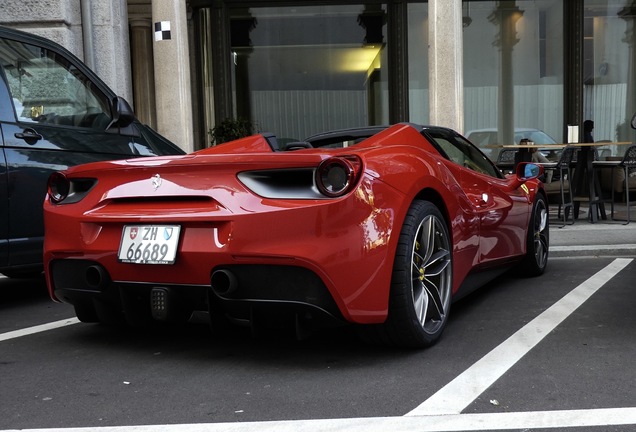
x=223 y=281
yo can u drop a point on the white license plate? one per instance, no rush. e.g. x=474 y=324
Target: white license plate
x=149 y=244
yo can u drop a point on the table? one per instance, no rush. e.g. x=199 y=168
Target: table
x=585 y=186
x=524 y=154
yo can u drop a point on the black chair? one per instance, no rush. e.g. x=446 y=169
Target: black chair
x=506 y=159
x=628 y=165
x=563 y=169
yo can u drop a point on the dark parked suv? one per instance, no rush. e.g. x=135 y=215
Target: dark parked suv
x=54 y=113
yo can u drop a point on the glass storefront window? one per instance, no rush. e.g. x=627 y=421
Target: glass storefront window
x=418 y=63
x=306 y=69
x=513 y=68
x=610 y=68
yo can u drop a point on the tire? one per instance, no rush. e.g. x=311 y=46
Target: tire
x=422 y=279
x=538 y=239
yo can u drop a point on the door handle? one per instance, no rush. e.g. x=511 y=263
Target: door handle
x=28 y=135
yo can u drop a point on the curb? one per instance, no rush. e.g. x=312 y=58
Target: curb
x=616 y=250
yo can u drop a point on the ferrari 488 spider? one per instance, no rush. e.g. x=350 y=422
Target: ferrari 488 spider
x=381 y=227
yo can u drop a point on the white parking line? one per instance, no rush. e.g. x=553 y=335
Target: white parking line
x=463 y=390
x=37 y=329
x=436 y=423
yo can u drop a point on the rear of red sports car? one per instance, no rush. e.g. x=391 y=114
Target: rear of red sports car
x=242 y=232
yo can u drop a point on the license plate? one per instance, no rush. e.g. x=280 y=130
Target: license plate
x=149 y=244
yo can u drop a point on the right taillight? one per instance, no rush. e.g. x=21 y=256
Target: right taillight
x=338 y=175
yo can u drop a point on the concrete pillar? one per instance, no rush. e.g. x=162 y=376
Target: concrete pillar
x=172 y=72
x=111 y=45
x=141 y=36
x=446 y=74
x=206 y=50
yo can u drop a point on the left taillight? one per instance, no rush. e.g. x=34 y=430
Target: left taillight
x=58 y=187
x=338 y=175
x=61 y=189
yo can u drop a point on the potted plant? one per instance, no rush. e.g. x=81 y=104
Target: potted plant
x=231 y=129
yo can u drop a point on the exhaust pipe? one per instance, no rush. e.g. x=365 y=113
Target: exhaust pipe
x=96 y=277
x=223 y=282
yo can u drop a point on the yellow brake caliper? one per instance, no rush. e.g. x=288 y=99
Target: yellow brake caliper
x=421 y=269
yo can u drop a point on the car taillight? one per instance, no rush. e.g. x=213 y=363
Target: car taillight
x=336 y=176
x=58 y=187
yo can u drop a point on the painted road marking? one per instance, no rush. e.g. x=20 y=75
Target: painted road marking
x=37 y=329
x=463 y=390
x=437 y=423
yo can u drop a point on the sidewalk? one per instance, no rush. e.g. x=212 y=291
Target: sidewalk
x=604 y=238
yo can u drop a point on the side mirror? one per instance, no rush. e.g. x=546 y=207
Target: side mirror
x=123 y=114
x=525 y=171
x=634 y=122
x=528 y=171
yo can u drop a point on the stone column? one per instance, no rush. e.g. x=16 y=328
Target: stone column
x=172 y=72
x=141 y=36
x=398 y=59
x=204 y=32
x=111 y=45
x=446 y=75
x=505 y=17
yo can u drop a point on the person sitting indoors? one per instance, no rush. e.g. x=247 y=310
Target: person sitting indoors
x=538 y=157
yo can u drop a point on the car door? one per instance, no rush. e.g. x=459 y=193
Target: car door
x=502 y=214
x=5 y=112
x=503 y=217
x=60 y=115
x=4 y=208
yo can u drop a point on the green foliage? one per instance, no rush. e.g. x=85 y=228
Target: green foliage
x=230 y=129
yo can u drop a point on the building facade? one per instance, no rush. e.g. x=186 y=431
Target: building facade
x=296 y=68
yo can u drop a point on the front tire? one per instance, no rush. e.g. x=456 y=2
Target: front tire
x=421 y=283
x=538 y=239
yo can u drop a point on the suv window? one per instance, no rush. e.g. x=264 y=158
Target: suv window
x=46 y=88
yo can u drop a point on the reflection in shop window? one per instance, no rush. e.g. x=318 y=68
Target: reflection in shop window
x=303 y=70
x=610 y=68
x=513 y=67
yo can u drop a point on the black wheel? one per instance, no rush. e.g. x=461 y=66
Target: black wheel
x=538 y=239
x=421 y=284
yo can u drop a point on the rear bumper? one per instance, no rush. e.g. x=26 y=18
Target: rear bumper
x=237 y=291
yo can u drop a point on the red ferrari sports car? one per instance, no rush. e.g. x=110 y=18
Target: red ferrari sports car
x=381 y=227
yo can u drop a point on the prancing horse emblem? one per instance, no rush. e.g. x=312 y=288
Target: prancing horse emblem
x=156 y=181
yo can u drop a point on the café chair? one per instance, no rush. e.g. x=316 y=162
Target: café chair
x=628 y=165
x=563 y=167
x=506 y=159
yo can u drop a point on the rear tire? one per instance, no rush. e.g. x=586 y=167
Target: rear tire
x=421 y=283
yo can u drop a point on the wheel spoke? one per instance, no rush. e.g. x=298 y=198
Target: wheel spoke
x=420 y=302
x=427 y=238
x=540 y=238
x=437 y=311
x=543 y=220
x=437 y=263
